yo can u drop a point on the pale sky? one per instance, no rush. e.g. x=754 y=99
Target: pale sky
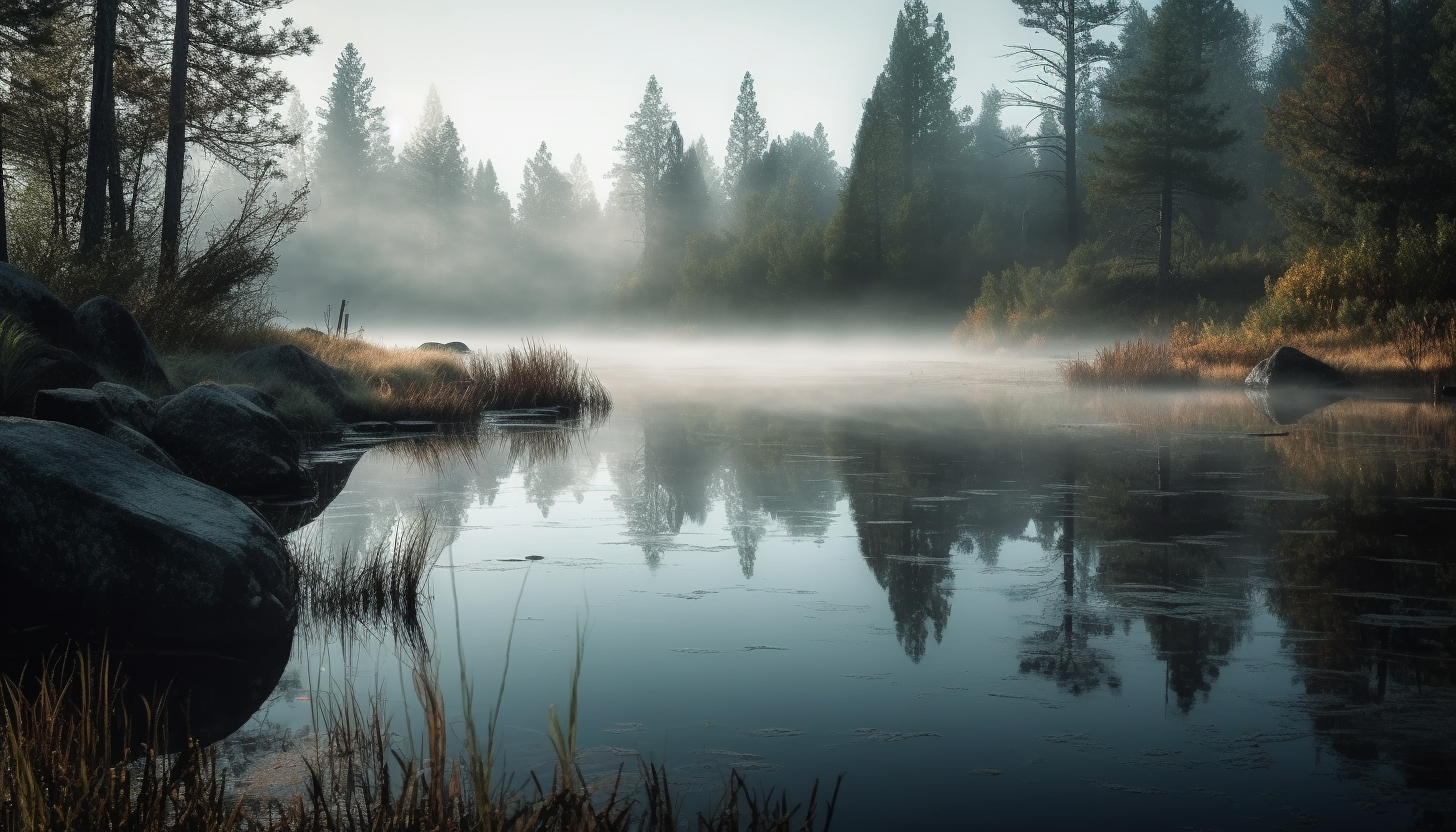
x=571 y=72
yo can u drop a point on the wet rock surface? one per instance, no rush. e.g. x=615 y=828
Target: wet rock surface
x=26 y=299
x=1288 y=367
x=298 y=368
x=225 y=440
x=102 y=541
x=117 y=340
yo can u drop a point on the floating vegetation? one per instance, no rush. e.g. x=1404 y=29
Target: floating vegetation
x=876 y=735
x=774 y=732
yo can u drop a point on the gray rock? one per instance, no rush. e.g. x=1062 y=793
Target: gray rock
x=52 y=368
x=453 y=346
x=1288 y=367
x=256 y=396
x=118 y=342
x=295 y=366
x=226 y=441
x=26 y=299
x=98 y=540
x=73 y=406
x=136 y=442
x=97 y=408
x=129 y=405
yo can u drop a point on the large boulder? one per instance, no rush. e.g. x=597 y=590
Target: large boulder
x=118 y=342
x=294 y=366
x=105 y=403
x=1288 y=367
x=230 y=443
x=99 y=540
x=27 y=300
x=49 y=368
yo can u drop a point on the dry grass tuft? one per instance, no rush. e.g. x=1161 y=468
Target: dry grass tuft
x=68 y=759
x=538 y=375
x=1137 y=363
x=400 y=384
x=382 y=587
x=60 y=770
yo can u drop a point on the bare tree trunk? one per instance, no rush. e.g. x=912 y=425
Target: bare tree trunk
x=176 y=149
x=102 y=128
x=113 y=178
x=1069 y=127
x=1165 y=239
x=4 y=240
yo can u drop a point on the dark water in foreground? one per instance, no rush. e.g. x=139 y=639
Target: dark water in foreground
x=985 y=599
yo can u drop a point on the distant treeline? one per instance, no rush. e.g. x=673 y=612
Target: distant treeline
x=1168 y=170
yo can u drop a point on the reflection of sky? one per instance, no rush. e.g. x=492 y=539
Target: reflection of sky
x=795 y=669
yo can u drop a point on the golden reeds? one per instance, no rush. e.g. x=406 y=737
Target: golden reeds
x=1139 y=363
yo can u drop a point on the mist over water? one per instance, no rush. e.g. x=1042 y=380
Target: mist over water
x=945 y=575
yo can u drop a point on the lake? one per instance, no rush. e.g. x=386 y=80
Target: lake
x=977 y=594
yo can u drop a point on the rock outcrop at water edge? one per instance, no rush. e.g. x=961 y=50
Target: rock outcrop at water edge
x=99 y=540
x=1288 y=367
x=228 y=442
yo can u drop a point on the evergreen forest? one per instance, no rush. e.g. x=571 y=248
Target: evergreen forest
x=1147 y=165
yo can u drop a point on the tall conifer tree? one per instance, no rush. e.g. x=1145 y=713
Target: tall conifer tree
x=1165 y=143
x=1060 y=74
x=645 y=158
x=353 y=147
x=747 y=135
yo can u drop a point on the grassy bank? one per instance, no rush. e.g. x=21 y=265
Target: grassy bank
x=1414 y=357
x=392 y=384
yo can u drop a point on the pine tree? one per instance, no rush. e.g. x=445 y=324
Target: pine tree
x=433 y=163
x=900 y=203
x=353 y=146
x=1061 y=73
x=547 y=203
x=583 y=191
x=492 y=205
x=645 y=159
x=1164 y=144
x=712 y=174
x=24 y=26
x=1358 y=130
x=298 y=161
x=747 y=135
x=921 y=90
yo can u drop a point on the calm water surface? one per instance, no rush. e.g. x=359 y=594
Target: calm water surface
x=980 y=596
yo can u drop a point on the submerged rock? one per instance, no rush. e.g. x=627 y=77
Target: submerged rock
x=296 y=367
x=117 y=341
x=27 y=300
x=221 y=438
x=1288 y=367
x=98 y=539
